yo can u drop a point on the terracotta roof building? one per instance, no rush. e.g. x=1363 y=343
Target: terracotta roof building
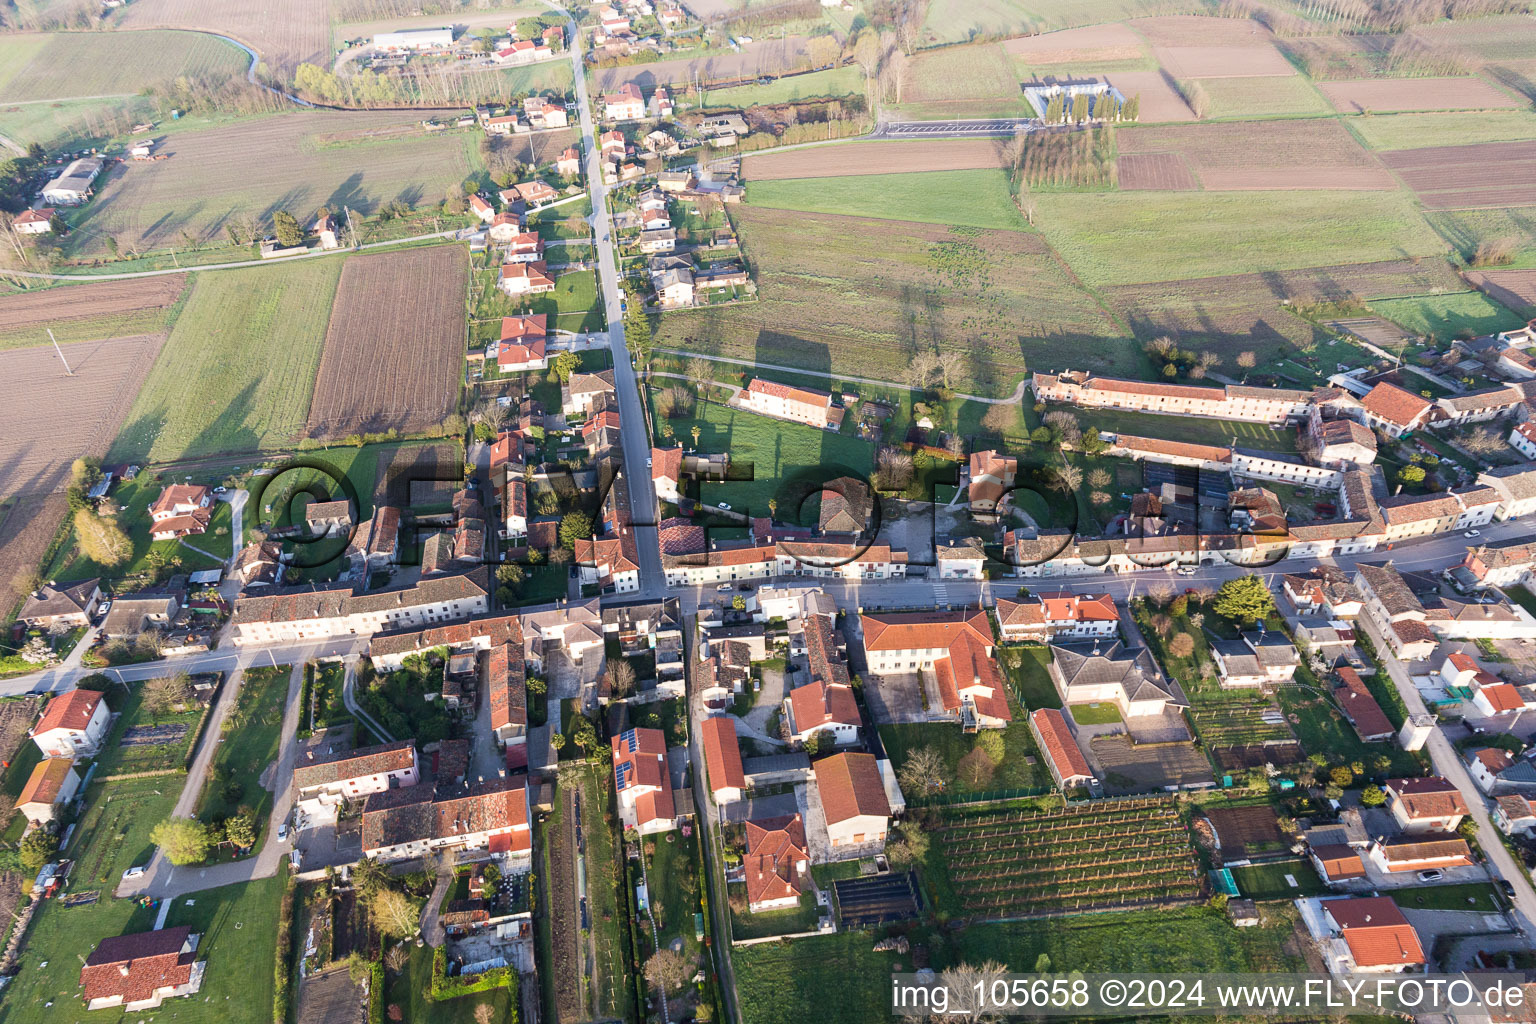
x=777 y=862
x=1375 y=933
x=1429 y=804
x=643 y=781
x=324 y=783
x=139 y=971
x=722 y=759
x=1063 y=756
x=52 y=783
x=73 y=724
x=853 y=801
x=1371 y=723
x=402 y=824
x=1395 y=411
x=818 y=707
x=1337 y=862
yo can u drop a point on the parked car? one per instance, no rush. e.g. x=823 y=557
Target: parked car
x=137 y=871
x=1472 y=533
x=1432 y=875
x=1508 y=887
x=722 y=506
x=723 y=588
x=1186 y=570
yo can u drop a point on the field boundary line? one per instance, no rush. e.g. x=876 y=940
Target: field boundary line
x=1016 y=396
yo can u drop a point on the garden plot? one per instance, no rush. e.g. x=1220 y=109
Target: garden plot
x=1111 y=854
x=1128 y=767
x=1244 y=832
x=1155 y=172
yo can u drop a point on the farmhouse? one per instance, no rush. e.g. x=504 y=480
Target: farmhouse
x=1063 y=756
x=776 y=863
x=481 y=207
x=1514 y=814
x=643 y=781
x=182 y=510
x=506 y=691
x=62 y=606
x=73 y=725
x=1337 y=862
x=1325 y=590
x=323 y=783
x=1394 y=411
x=1496 y=771
x=329 y=610
x=569 y=164
x=855 y=804
x=821 y=708
x=139 y=971
x=535 y=193
x=666 y=472
x=403 y=824
x=525 y=247
x=73 y=187
x=1058 y=614
x=545 y=112
x=1343 y=442
x=988 y=476
x=722 y=759
x=376 y=543
x=133 y=613
x=1395 y=612
x=525 y=279
x=1429 y=804
x=521 y=51
x=583 y=390
x=52 y=784
x=674 y=287
x=657 y=241
x=957 y=646
x=328 y=518
x=610 y=562
x=35 y=222
x=1374 y=935
x=801 y=405
x=1232 y=402
x=1500 y=564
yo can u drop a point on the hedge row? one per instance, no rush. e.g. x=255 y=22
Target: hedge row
x=282 y=972
x=444 y=987
x=376 y=993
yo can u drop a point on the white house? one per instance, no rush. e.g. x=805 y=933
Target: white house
x=324 y=783
x=854 y=803
x=73 y=725
x=52 y=784
x=1428 y=804
x=818 y=707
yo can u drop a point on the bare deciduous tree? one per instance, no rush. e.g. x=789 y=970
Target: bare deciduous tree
x=921 y=369
x=668 y=970
x=924 y=771
x=621 y=677
x=950 y=362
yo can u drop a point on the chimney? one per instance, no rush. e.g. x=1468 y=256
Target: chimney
x=123 y=970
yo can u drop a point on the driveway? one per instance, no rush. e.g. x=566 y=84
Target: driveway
x=162 y=879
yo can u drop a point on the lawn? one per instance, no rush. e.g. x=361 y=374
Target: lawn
x=326 y=707
x=1095 y=714
x=831 y=82
x=608 y=914
x=60 y=935
x=974 y=198
x=113 y=834
x=1031 y=680
x=1415 y=131
x=134 y=497
x=1523 y=597
x=1138 y=237
x=789 y=921
x=1190 y=429
x=672 y=869
x=399 y=702
x=574 y=301
x=825 y=978
x=778 y=460
x=1446 y=316
x=408 y=990
x=252 y=735
x=239 y=369
x=1321 y=729
x=1164 y=941
x=567 y=221
x=953 y=746
x=1467 y=229
x=95 y=64
x=1267 y=881
x=118 y=759
x=1263 y=97
x=1476 y=896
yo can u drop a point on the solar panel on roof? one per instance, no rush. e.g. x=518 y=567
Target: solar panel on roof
x=621 y=774
x=630 y=740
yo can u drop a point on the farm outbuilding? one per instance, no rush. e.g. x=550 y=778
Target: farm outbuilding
x=414 y=39
x=73 y=187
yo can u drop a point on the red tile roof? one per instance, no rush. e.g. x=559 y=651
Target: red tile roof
x=1339 y=861
x=1138 y=387
x=46 y=781
x=505 y=685
x=908 y=631
x=1503 y=697
x=1175 y=449
x=815 y=705
x=354 y=764
x=722 y=754
x=640 y=763
x=136 y=966
x=72 y=710
x=521 y=328
x=1058 y=744
x=1377 y=933
x=969 y=672
x=1431 y=797
x=820 y=399
x=178 y=495
x=1395 y=405
x=849 y=785
x=776 y=849
x=1359 y=706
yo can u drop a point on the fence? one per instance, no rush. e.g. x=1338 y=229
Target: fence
x=980 y=797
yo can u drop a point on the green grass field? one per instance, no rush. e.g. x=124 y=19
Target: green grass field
x=1472 y=896
x=16 y=52
x=252 y=734
x=1446 y=316
x=785 y=458
x=1267 y=881
x=831 y=82
x=1028 y=675
x=1139 y=237
x=1413 y=131
x=239 y=369
x=1467 y=229
x=826 y=978
x=113 y=834
x=135 y=497
x=957 y=21
x=974 y=198
x=1191 y=429
x=77 y=64
x=1095 y=714
x=1263 y=97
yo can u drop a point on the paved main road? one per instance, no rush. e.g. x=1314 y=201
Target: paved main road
x=993 y=128
x=636 y=433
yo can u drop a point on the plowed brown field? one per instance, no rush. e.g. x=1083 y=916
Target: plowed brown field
x=1189 y=46
x=1097 y=44
x=27 y=529
x=1311 y=153
x=1386 y=95
x=107 y=308
x=1514 y=288
x=394 y=351
x=49 y=418
x=1493 y=174
x=1155 y=171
